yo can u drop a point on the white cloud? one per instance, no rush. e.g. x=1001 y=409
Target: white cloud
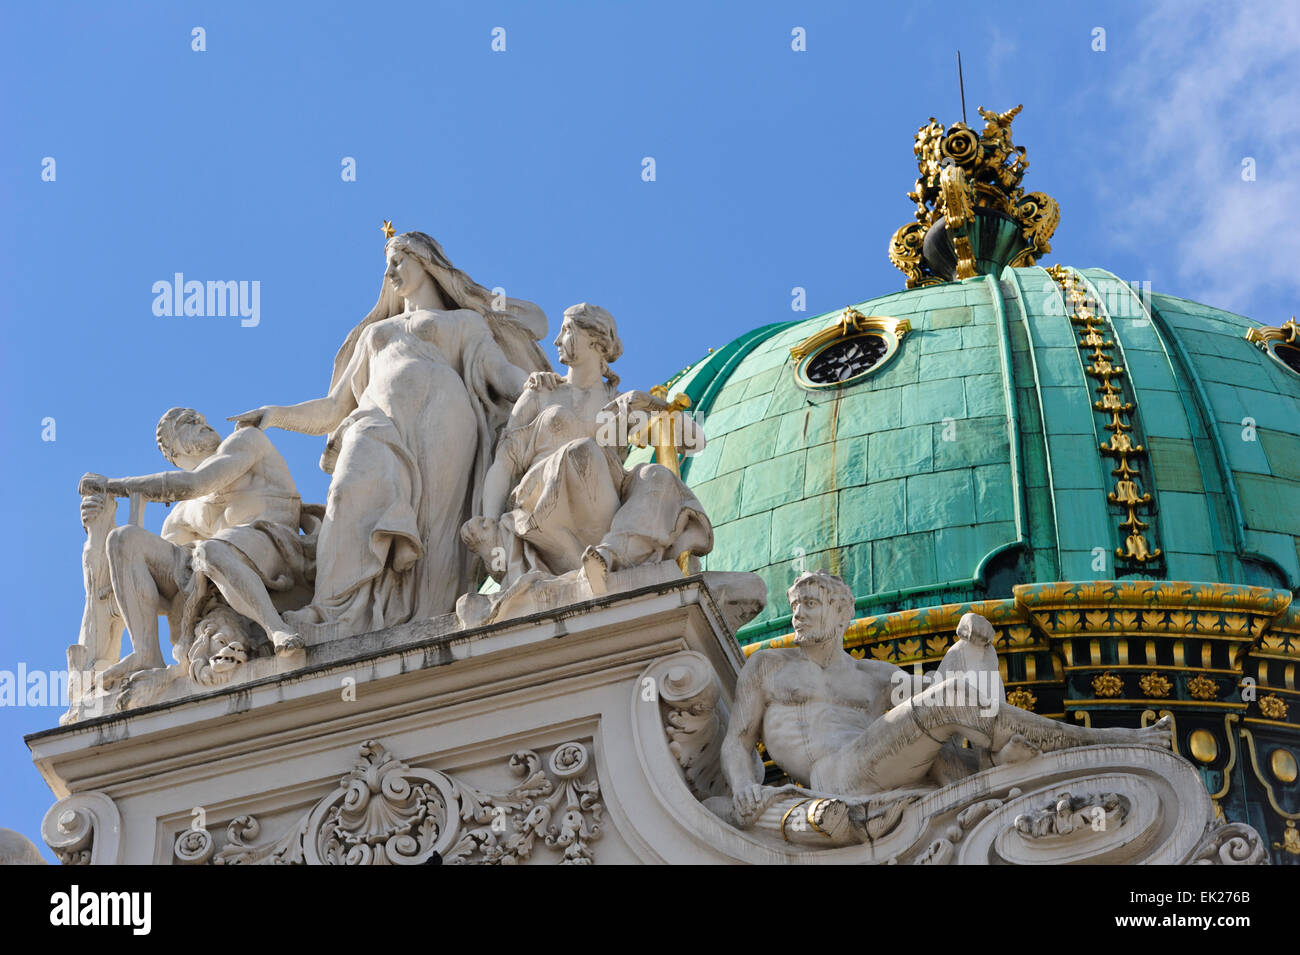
x=998 y=53
x=1209 y=85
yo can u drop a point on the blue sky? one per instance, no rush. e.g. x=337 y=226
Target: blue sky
x=774 y=169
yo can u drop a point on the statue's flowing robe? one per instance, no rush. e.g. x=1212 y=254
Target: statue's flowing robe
x=576 y=493
x=408 y=468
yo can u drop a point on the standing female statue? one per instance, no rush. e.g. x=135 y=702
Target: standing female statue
x=420 y=389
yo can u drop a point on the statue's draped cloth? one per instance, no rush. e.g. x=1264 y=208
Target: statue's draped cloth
x=575 y=493
x=408 y=466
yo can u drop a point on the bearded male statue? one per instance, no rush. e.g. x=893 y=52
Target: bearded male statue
x=235 y=524
x=863 y=737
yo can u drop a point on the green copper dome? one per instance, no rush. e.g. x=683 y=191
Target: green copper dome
x=969 y=460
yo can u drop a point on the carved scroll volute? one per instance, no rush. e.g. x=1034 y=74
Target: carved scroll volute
x=694 y=718
x=84 y=829
x=1233 y=843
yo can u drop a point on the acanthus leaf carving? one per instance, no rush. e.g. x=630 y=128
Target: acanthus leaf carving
x=384 y=812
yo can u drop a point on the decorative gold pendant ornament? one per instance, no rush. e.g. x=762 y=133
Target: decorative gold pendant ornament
x=1290 y=843
x=1099 y=363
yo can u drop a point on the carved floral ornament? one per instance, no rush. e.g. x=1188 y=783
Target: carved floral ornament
x=1155 y=686
x=1107 y=684
x=1202 y=687
x=1022 y=697
x=1273 y=707
x=384 y=812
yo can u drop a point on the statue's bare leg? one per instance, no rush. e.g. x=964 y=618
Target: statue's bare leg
x=146 y=572
x=245 y=591
x=898 y=749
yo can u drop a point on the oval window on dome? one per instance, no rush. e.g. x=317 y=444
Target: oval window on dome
x=1288 y=355
x=854 y=347
x=846 y=359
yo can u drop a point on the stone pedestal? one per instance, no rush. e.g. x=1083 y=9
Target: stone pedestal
x=504 y=724
x=586 y=734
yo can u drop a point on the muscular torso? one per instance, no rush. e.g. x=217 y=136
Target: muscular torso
x=812 y=713
x=264 y=492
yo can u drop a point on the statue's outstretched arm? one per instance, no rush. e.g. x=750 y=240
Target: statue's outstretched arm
x=230 y=462
x=318 y=415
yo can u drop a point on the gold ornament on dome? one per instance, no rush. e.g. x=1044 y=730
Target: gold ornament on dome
x=1272 y=707
x=1204 y=747
x=962 y=173
x=1155 y=686
x=1107 y=684
x=1290 y=843
x=1288 y=334
x=1202 y=688
x=1283 y=765
x=1095 y=344
x=851 y=326
x=661 y=430
x=1273 y=340
x=1022 y=698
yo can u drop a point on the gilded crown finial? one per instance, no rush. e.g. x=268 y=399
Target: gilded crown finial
x=389 y=231
x=972 y=215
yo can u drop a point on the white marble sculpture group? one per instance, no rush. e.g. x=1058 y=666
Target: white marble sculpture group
x=455 y=453
x=471 y=482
